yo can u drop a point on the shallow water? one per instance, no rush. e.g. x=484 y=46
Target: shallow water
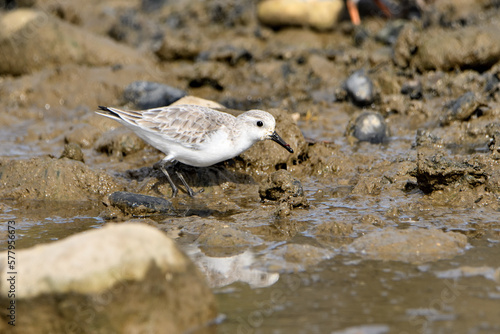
x=344 y=293
x=340 y=293
x=372 y=296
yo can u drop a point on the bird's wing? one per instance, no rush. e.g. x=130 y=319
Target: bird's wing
x=187 y=125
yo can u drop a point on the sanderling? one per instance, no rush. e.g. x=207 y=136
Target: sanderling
x=195 y=135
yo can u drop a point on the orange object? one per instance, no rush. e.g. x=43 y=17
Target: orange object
x=352 y=8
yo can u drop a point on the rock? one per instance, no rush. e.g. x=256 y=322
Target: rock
x=319 y=15
x=147 y=95
x=413 y=89
x=72 y=151
x=152 y=5
x=121 y=278
x=436 y=171
x=119 y=142
x=472 y=47
x=32 y=40
x=360 y=89
x=226 y=53
x=414 y=246
x=281 y=186
x=360 y=35
x=53 y=179
x=390 y=32
x=369 y=126
x=462 y=109
x=140 y=205
x=492 y=86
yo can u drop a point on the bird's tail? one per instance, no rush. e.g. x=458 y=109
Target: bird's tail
x=127 y=116
x=108 y=112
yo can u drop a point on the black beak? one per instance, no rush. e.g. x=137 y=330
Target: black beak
x=275 y=137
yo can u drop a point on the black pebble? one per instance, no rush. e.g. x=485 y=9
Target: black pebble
x=139 y=205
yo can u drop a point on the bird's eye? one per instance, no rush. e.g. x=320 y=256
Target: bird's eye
x=260 y=124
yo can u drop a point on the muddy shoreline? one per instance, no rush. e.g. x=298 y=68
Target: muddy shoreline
x=395 y=129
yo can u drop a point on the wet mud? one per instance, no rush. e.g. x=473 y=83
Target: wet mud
x=390 y=201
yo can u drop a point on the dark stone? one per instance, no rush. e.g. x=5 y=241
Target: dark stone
x=360 y=89
x=225 y=53
x=139 y=205
x=152 y=5
x=413 y=89
x=462 y=109
x=147 y=95
x=369 y=126
x=360 y=35
x=389 y=34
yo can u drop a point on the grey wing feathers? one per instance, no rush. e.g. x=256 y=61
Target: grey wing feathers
x=189 y=125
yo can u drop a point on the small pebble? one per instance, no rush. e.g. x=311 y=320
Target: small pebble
x=389 y=34
x=369 y=126
x=139 y=205
x=462 y=108
x=152 y=5
x=413 y=89
x=360 y=88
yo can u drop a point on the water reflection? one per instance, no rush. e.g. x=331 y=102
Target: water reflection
x=225 y=270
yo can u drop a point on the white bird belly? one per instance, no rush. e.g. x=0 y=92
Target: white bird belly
x=218 y=148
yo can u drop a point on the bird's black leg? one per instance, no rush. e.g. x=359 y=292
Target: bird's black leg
x=174 y=188
x=190 y=191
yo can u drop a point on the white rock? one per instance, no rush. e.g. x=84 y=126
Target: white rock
x=318 y=14
x=124 y=278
